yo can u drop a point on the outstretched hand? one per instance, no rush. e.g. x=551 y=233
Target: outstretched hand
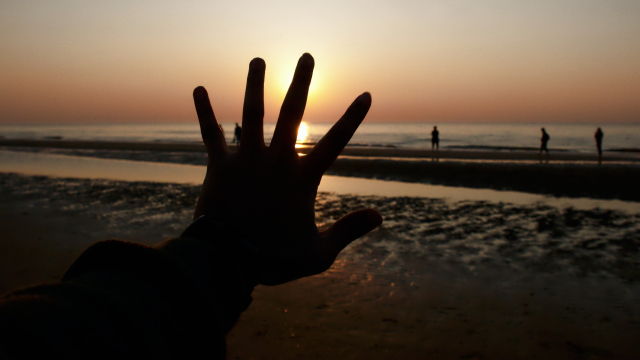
x=267 y=194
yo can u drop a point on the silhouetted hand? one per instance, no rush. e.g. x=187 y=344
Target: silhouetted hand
x=267 y=194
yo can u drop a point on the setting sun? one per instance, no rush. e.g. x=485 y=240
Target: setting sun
x=303 y=133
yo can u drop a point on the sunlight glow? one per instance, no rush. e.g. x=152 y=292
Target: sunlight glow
x=286 y=82
x=303 y=133
x=424 y=61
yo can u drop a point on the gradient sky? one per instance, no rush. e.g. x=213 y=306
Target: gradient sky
x=435 y=61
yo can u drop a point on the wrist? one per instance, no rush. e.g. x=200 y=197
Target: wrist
x=214 y=274
x=241 y=251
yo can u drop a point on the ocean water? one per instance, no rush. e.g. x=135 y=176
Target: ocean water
x=569 y=137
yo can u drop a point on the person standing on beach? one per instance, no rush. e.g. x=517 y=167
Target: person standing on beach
x=435 y=139
x=599 y=135
x=543 y=141
x=237 y=134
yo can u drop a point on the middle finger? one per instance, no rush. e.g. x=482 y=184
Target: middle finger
x=286 y=133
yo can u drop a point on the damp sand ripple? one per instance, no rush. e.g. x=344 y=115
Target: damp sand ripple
x=468 y=234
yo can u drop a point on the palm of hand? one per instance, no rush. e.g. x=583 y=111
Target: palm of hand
x=267 y=194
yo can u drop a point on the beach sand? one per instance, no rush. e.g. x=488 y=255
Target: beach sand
x=439 y=279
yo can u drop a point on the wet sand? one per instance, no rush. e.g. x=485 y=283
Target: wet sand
x=439 y=279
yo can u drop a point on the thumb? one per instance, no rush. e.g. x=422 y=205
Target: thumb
x=348 y=228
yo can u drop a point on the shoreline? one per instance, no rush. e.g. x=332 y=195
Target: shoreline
x=557 y=178
x=478 y=153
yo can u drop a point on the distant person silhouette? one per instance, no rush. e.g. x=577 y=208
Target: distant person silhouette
x=435 y=138
x=237 y=134
x=543 y=141
x=599 y=135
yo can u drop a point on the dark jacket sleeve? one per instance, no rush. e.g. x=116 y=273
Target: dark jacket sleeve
x=123 y=300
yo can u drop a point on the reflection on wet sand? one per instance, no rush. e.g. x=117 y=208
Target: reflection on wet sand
x=442 y=279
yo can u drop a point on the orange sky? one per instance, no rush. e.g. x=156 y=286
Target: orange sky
x=435 y=61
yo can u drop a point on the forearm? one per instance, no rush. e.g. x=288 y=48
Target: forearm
x=119 y=299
